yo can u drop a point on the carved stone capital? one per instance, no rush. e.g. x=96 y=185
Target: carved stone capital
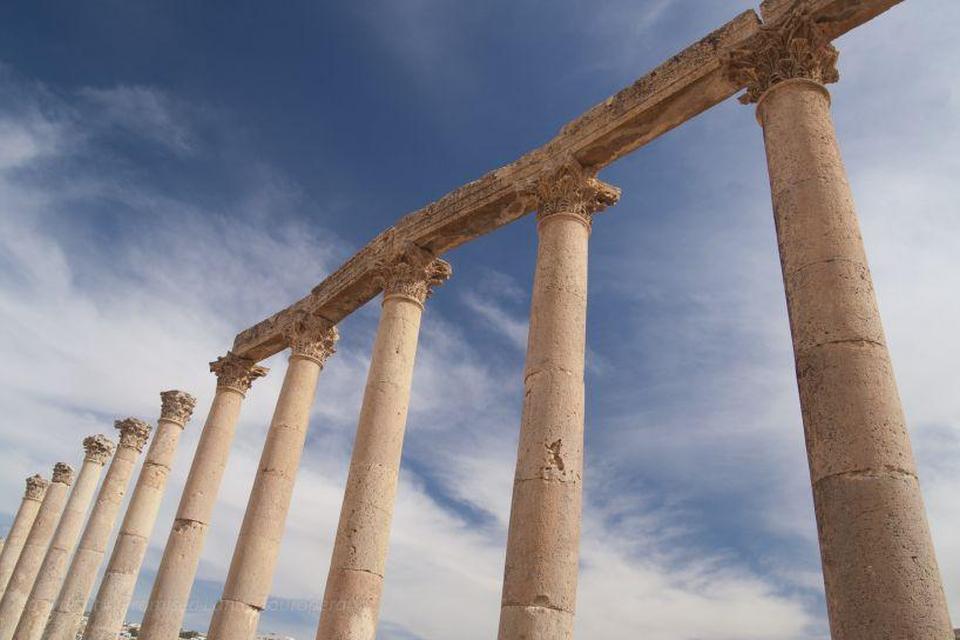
x=569 y=190
x=133 y=433
x=36 y=487
x=792 y=48
x=63 y=473
x=176 y=406
x=311 y=336
x=99 y=448
x=236 y=373
x=413 y=274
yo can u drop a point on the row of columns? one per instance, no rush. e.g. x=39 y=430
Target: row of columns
x=879 y=568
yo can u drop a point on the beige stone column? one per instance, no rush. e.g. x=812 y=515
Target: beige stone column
x=20 y=529
x=351 y=602
x=64 y=621
x=879 y=568
x=120 y=578
x=540 y=575
x=50 y=577
x=181 y=556
x=34 y=549
x=312 y=340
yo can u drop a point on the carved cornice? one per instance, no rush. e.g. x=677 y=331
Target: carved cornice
x=236 y=373
x=63 y=473
x=569 y=190
x=793 y=48
x=310 y=336
x=176 y=406
x=133 y=433
x=99 y=448
x=36 y=487
x=413 y=274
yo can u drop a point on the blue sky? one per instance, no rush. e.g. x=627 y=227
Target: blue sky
x=171 y=173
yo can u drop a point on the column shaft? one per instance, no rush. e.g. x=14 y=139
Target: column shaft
x=120 y=578
x=54 y=567
x=22 y=523
x=68 y=610
x=351 y=602
x=540 y=577
x=181 y=556
x=258 y=545
x=34 y=549
x=879 y=567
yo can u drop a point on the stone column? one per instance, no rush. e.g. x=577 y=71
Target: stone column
x=65 y=618
x=351 y=602
x=879 y=568
x=540 y=575
x=181 y=556
x=35 y=547
x=120 y=579
x=50 y=577
x=312 y=340
x=22 y=523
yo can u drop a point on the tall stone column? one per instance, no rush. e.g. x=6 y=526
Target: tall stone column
x=543 y=540
x=312 y=340
x=351 y=602
x=65 y=618
x=50 y=577
x=879 y=568
x=35 y=547
x=181 y=556
x=20 y=529
x=120 y=579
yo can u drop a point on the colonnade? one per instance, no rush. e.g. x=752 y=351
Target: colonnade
x=880 y=573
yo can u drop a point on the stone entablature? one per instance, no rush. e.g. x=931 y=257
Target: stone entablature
x=689 y=83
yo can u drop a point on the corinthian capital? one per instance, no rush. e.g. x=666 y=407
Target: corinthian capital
x=36 y=487
x=133 y=433
x=98 y=448
x=792 y=48
x=569 y=190
x=236 y=373
x=176 y=406
x=413 y=274
x=63 y=473
x=311 y=336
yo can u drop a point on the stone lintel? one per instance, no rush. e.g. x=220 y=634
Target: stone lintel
x=676 y=91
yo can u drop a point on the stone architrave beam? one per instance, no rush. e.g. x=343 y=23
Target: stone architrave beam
x=679 y=89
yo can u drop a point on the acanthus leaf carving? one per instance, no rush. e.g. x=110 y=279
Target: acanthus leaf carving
x=176 y=406
x=569 y=189
x=311 y=336
x=98 y=448
x=413 y=273
x=236 y=373
x=133 y=433
x=63 y=473
x=36 y=487
x=793 y=48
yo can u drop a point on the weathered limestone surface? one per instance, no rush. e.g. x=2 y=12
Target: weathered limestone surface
x=181 y=556
x=687 y=84
x=20 y=529
x=312 y=340
x=34 y=549
x=98 y=450
x=120 y=579
x=880 y=572
x=65 y=618
x=351 y=602
x=540 y=575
